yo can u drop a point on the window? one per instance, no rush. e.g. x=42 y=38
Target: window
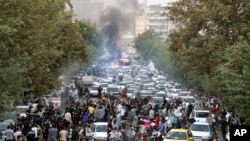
x=202 y=128
x=177 y=135
x=101 y=128
x=202 y=114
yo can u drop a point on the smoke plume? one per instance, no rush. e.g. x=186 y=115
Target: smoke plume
x=115 y=20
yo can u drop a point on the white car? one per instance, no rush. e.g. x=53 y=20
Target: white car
x=21 y=110
x=94 y=90
x=161 y=94
x=201 y=115
x=203 y=130
x=98 y=131
x=184 y=93
x=187 y=99
x=122 y=85
x=174 y=93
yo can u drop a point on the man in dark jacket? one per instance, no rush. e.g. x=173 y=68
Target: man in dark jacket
x=75 y=135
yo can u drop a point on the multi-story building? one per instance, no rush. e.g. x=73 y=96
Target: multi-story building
x=141 y=25
x=157 y=20
x=154 y=18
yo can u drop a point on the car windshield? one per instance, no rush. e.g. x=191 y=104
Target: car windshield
x=113 y=89
x=161 y=95
x=94 y=88
x=3 y=126
x=101 y=128
x=104 y=85
x=131 y=91
x=123 y=84
x=188 y=100
x=21 y=110
x=197 y=127
x=177 y=135
x=157 y=100
x=202 y=114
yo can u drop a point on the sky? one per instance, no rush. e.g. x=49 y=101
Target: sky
x=156 y=1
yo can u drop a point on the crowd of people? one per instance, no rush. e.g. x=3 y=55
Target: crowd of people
x=128 y=119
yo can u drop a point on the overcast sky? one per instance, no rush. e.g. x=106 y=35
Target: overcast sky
x=157 y=1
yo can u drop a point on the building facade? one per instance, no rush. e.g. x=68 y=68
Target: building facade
x=141 y=25
x=154 y=18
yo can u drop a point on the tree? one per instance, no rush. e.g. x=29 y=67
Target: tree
x=37 y=41
x=153 y=48
x=233 y=79
x=205 y=30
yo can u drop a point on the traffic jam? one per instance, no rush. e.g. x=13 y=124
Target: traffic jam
x=123 y=100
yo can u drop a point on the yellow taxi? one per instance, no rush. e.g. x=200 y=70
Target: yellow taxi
x=179 y=135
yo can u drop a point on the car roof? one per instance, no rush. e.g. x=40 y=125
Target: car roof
x=187 y=97
x=22 y=106
x=101 y=123
x=202 y=111
x=201 y=123
x=5 y=122
x=179 y=130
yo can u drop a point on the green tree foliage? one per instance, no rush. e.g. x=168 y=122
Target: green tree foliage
x=207 y=34
x=155 y=49
x=37 y=40
x=233 y=78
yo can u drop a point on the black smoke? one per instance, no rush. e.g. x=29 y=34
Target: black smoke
x=112 y=20
x=115 y=20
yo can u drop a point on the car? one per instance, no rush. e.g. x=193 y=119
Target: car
x=161 y=94
x=179 y=135
x=132 y=93
x=203 y=130
x=160 y=87
x=187 y=99
x=184 y=93
x=201 y=115
x=174 y=93
x=21 y=110
x=94 y=90
x=145 y=93
x=122 y=85
x=98 y=131
x=113 y=90
x=104 y=86
x=156 y=100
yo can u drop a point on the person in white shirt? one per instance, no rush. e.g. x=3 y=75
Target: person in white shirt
x=36 y=129
x=151 y=114
x=67 y=116
x=17 y=133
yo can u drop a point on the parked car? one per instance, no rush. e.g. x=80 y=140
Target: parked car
x=203 y=129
